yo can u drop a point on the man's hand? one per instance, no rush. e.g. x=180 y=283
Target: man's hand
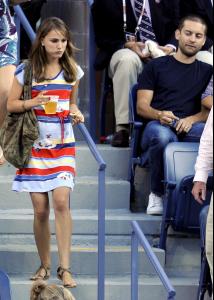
x=199 y=191
x=166 y=117
x=137 y=47
x=167 y=49
x=184 y=125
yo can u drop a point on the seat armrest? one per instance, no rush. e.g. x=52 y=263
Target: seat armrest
x=138 y=125
x=186 y=183
x=170 y=185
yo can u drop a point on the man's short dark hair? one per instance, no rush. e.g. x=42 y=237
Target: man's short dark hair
x=193 y=18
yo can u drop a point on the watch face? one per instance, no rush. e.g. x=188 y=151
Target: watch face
x=130 y=37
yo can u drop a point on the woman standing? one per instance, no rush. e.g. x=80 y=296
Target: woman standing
x=52 y=164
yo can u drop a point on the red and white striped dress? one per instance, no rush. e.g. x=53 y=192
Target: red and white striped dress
x=52 y=163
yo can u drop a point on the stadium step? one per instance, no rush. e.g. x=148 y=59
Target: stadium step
x=23 y=259
x=117 y=288
x=118 y=222
x=85 y=194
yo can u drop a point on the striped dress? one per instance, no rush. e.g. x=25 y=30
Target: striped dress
x=52 y=162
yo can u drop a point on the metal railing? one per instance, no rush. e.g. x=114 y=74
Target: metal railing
x=139 y=237
x=21 y=19
x=5 y=290
x=101 y=211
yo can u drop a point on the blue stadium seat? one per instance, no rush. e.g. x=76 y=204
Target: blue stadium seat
x=205 y=283
x=5 y=293
x=181 y=211
x=136 y=132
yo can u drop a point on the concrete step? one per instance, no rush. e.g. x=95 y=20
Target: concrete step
x=117 y=288
x=117 y=160
x=85 y=195
x=118 y=222
x=23 y=259
x=183 y=255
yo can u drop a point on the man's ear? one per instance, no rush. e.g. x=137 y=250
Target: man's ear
x=177 y=34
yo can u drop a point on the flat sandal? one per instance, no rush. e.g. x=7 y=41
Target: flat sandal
x=39 y=276
x=60 y=273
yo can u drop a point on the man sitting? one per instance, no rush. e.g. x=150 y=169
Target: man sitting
x=121 y=29
x=169 y=98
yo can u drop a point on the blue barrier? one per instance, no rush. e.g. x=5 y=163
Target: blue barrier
x=21 y=19
x=139 y=237
x=5 y=292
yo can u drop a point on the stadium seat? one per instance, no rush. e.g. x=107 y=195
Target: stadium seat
x=136 y=124
x=5 y=293
x=181 y=211
x=205 y=283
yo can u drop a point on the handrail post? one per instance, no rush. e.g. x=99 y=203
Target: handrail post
x=101 y=236
x=134 y=266
x=25 y=23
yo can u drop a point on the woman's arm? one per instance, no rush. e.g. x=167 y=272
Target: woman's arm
x=75 y=113
x=14 y=105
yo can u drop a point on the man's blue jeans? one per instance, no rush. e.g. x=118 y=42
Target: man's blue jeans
x=155 y=139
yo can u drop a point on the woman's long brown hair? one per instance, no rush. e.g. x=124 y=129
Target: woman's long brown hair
x=38 y=56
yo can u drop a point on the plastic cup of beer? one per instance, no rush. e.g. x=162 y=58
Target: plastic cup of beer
x=51 y=106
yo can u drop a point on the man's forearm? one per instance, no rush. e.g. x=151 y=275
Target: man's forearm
x=147 y=112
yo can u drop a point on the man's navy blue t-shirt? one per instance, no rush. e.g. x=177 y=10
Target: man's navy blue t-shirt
x=177 y=87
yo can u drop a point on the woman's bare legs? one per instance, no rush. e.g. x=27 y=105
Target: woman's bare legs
x=42 y=228
x=63 y=230
x=6 y=80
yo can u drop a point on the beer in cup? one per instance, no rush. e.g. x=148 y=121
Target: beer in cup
x=51 y=106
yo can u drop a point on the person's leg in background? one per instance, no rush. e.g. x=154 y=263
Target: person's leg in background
x=209 y=238
x=125 y=67
x=155 y=139
x=8 y=61
x=6 y=80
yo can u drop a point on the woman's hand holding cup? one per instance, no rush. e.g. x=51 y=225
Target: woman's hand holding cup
x=40 y=99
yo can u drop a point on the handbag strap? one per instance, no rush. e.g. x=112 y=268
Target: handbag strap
x=28 y=77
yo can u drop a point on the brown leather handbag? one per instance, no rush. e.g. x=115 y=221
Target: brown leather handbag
x=20 y=130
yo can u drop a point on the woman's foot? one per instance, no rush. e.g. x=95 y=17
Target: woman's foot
x=66 y=276
x=2 y=159
x=43 y=273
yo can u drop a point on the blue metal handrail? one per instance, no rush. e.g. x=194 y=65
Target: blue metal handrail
x=101 y=211
x=138 y=236
x=21 y=18
x=5 y=290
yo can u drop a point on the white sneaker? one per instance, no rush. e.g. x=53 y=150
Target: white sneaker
x=155 y=206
